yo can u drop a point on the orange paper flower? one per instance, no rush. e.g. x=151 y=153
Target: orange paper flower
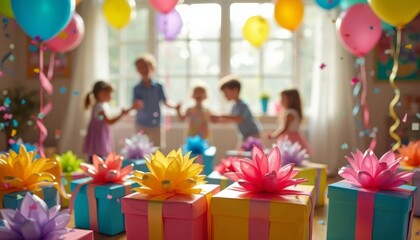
x=410 y=154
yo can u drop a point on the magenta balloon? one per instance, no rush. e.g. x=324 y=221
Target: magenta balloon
x=163 y=6
x=70 y=37
x=169 y=25
x=359 y=29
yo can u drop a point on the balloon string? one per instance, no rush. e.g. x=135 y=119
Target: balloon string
x=365 y=107
x=396 y=98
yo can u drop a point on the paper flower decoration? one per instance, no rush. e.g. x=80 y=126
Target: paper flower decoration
x=250 y=143
x=292 y=152
x=69 y=162
x=34 y=221
x=196 y=145
x=16 y=146
x=137 y=147
x=226 y=165
x=410 y=154
x=174 y=173
x=368 y=172
x=108 y=171
x=19 y=171
x=264 y=173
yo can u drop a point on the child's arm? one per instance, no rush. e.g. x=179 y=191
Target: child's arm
x=280 y=131
x=230 y=119
x=181 y=116
x=169 y=104
x=111 y=121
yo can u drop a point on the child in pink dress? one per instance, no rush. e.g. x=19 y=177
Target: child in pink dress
x=289 y=119
x=98 y=140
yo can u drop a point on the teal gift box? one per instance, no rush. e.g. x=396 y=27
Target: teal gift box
x=216 y=178
x=207 y=159
x=139 y=164
x=391 y=214
x=107 y=196
x=14 y=200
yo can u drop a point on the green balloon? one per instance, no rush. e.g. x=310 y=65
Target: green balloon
x=6 y=8
x=344 y=4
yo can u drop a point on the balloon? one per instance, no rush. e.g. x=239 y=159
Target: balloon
x=256 y=30
x=163 y=6
x=344 y=4
x=397 y=13
x=169 y=24
x=327 y=4
x=119 y=13
x=359 y=29
x=70 y=37
x=43 y=18
x=289 y=13
x=6 y=8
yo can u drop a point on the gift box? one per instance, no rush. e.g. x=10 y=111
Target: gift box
x=107 y=199
x=184 y=216
x=207 y=159
x=139 y=164
x=244 y=215
x=13 y=200
x=416 y=183
x=316 y=174
x=391 y=212
x=66 y=179
x=216 y=178
x=79 y=234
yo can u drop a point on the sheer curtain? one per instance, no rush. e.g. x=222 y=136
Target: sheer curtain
x=90 y=63
x=331 y=128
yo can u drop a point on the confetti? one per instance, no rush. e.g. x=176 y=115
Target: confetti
x=356 y=110
x=41 y=115
x=360 y=61
x=399 y=104
x=32 y=206
x=7 y=102
x=75 y=93
x=18 y=197
x=109 y=196
x=101 y=117
x=376 y=90
x=11 y=141
x=36 y=70
x=404 y=118
x=64 y=181
x=344 y=146
x=354 y=81
x=5 y=92
x=415 y=126
x=119 y=200
x=30 y=122
x=13 y=133
x=33 y=48
x=12 y=46
x=155 y=114
x=63 y=90
x=15 y=123
x=11 y=58
x=1 y=74
x=409 y=46
x=322 y=66
x=321 y=222
x=23 y=101
x=375 y=129
x=418 y=115
x=57 y=134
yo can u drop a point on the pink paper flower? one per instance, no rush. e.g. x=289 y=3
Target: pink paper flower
x=226 y=165
x=264 y=173
x=107 y=171
x=368 y=172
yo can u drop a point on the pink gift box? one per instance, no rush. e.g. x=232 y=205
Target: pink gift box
x=79 y=234
x=184 y=216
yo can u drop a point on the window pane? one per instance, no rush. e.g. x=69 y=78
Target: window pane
x=274 y=86
x=114 y=59
x=172 y=58
x=244 y=59
x=205 y=21
x=205 y=57
x=134 y=50
x=138 y=28
x=278 y=58
x=250 y=92
x=113 y=36
x=176 y=89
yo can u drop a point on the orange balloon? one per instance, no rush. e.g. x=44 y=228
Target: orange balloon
x=289 y=13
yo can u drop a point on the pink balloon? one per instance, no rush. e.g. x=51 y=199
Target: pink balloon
x=70 y=37
x=359 y=29
x=163 y=6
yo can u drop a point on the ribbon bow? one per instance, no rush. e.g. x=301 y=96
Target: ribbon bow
x=108 y=171
x=250 y=143
x=368 y=172
x=292 y=152
x=196 y=145
x=410 y=154
x=226 y=165
x=69 y=162
x=34 y=221
x=137 y=147
x=264 y=173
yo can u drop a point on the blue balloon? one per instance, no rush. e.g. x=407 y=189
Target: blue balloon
x=43 y=18
x=386 y=26
x=327 y=4
x=344 y=4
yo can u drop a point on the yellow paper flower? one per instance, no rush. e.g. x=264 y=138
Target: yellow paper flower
x=19 y=171
x=175 y=173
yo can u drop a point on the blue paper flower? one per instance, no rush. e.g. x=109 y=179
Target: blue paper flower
x=196 y=145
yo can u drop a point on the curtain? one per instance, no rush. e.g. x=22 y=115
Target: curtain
x=332 y=131
x=90 y=63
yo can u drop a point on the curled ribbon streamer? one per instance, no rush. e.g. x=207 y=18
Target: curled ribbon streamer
x=396 y=98
x=365 y=107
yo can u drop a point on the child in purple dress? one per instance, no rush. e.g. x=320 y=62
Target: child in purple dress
x=99 y=140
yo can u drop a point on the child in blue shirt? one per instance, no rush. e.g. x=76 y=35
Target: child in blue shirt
x=148 y=95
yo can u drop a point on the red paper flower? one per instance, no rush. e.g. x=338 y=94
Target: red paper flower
x=226 y=165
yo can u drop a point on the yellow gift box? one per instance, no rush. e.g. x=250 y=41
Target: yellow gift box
x=275 y=216
x=316 y=174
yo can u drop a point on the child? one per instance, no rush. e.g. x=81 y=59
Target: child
x=247 y=125
x=99 y=139
x=197 y=116
x=290 y=118
x=147 y=97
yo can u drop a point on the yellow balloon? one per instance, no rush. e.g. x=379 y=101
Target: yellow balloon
x=396 y=12
x=256 y=30
x=119 y=13
x=289 y=13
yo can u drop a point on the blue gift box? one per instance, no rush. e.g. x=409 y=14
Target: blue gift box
x=216 y=178
x=207 y=159
x=110 y=217
x=14 y=200
x=391 y=217
x=139 y=164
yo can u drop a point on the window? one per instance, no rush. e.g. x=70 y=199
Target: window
x=209 y=46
